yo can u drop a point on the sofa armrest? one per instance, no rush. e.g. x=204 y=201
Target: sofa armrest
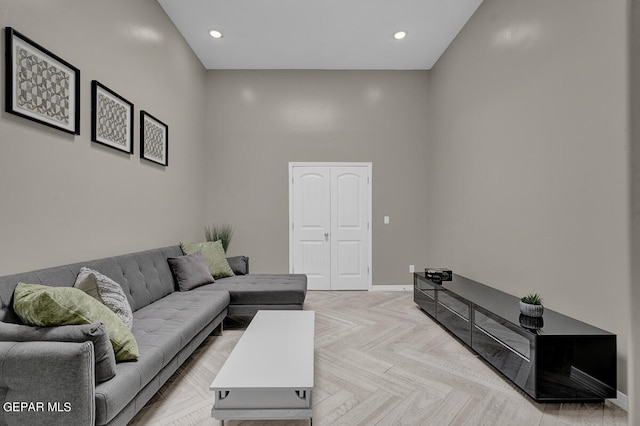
x=104 y=357
x=239 y=264
x=48 y=383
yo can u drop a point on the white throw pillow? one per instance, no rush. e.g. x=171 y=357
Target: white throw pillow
x=110 y=293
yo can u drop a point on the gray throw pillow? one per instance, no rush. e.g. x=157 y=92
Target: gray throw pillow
x=110 y=293
x=239 y=264
x=105 y=361
x=89 y=285
x=190 y=271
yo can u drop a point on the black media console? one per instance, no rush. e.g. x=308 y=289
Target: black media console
x=553 y=359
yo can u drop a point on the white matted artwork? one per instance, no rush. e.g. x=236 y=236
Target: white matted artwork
x=154 y=139
x=41 y=86
x=111 y=118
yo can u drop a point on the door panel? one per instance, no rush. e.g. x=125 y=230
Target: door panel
x=349 y=228
x=311 y=221
x=349 y=255
x=313 y=258
x=347 y=201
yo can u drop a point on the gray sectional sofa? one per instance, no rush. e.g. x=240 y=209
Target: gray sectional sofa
x=53 y=382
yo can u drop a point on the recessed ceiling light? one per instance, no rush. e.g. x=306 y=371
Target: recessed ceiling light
x=215 y=34
x=400 y=35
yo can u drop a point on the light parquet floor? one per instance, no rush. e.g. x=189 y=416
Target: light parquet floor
x=379 y=360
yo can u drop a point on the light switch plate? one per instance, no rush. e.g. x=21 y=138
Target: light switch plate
x=386 y=220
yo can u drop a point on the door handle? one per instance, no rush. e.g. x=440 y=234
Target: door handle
x=326 y=236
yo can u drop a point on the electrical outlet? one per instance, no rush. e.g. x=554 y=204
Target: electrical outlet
x=412 y=269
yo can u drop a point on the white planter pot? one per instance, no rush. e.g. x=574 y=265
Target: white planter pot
x=531 y=310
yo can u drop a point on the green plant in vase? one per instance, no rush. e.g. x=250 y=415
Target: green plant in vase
x=223 y=233
x=531 y=305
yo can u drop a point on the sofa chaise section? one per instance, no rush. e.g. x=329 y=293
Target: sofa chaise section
x=250 y=293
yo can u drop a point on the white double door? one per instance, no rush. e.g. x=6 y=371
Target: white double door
x=330 y=225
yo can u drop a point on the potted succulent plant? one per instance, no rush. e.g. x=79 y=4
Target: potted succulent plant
x=531 y=305
x=531 y=323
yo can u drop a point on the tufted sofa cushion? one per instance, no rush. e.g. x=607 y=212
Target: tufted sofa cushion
x=145 y=276
x=161 y=329
x=257 y=289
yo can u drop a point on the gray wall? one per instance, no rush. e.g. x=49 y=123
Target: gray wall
x=259 y=121
x=634 y=177
x=67 y=199
x=528 y=157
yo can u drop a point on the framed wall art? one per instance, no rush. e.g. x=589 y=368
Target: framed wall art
x=154 y=139
x=41 y=86
x=111 y=118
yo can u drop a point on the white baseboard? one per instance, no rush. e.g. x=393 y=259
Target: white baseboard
x=392 y=288
x=621 y=401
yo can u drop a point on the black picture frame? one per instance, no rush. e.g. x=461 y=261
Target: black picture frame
x=40 y=86
x=154 y=139
x=111 y=118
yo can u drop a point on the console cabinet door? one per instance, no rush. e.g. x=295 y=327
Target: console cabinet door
x=424 y=294
x=454 y=313
x=508 y=348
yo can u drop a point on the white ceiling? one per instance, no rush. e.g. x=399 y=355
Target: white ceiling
x=319 y=34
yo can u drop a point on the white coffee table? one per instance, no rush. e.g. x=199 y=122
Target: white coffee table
x=269 y=374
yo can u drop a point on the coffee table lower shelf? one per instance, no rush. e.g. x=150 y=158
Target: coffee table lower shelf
x=262 y=404
x=262 y=414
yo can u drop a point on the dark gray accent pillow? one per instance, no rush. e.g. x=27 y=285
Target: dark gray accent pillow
x=105 y=361
x=190 y=271
x=239 y=264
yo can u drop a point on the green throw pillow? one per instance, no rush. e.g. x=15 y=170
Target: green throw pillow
x=46 y=306
x=214 y=256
